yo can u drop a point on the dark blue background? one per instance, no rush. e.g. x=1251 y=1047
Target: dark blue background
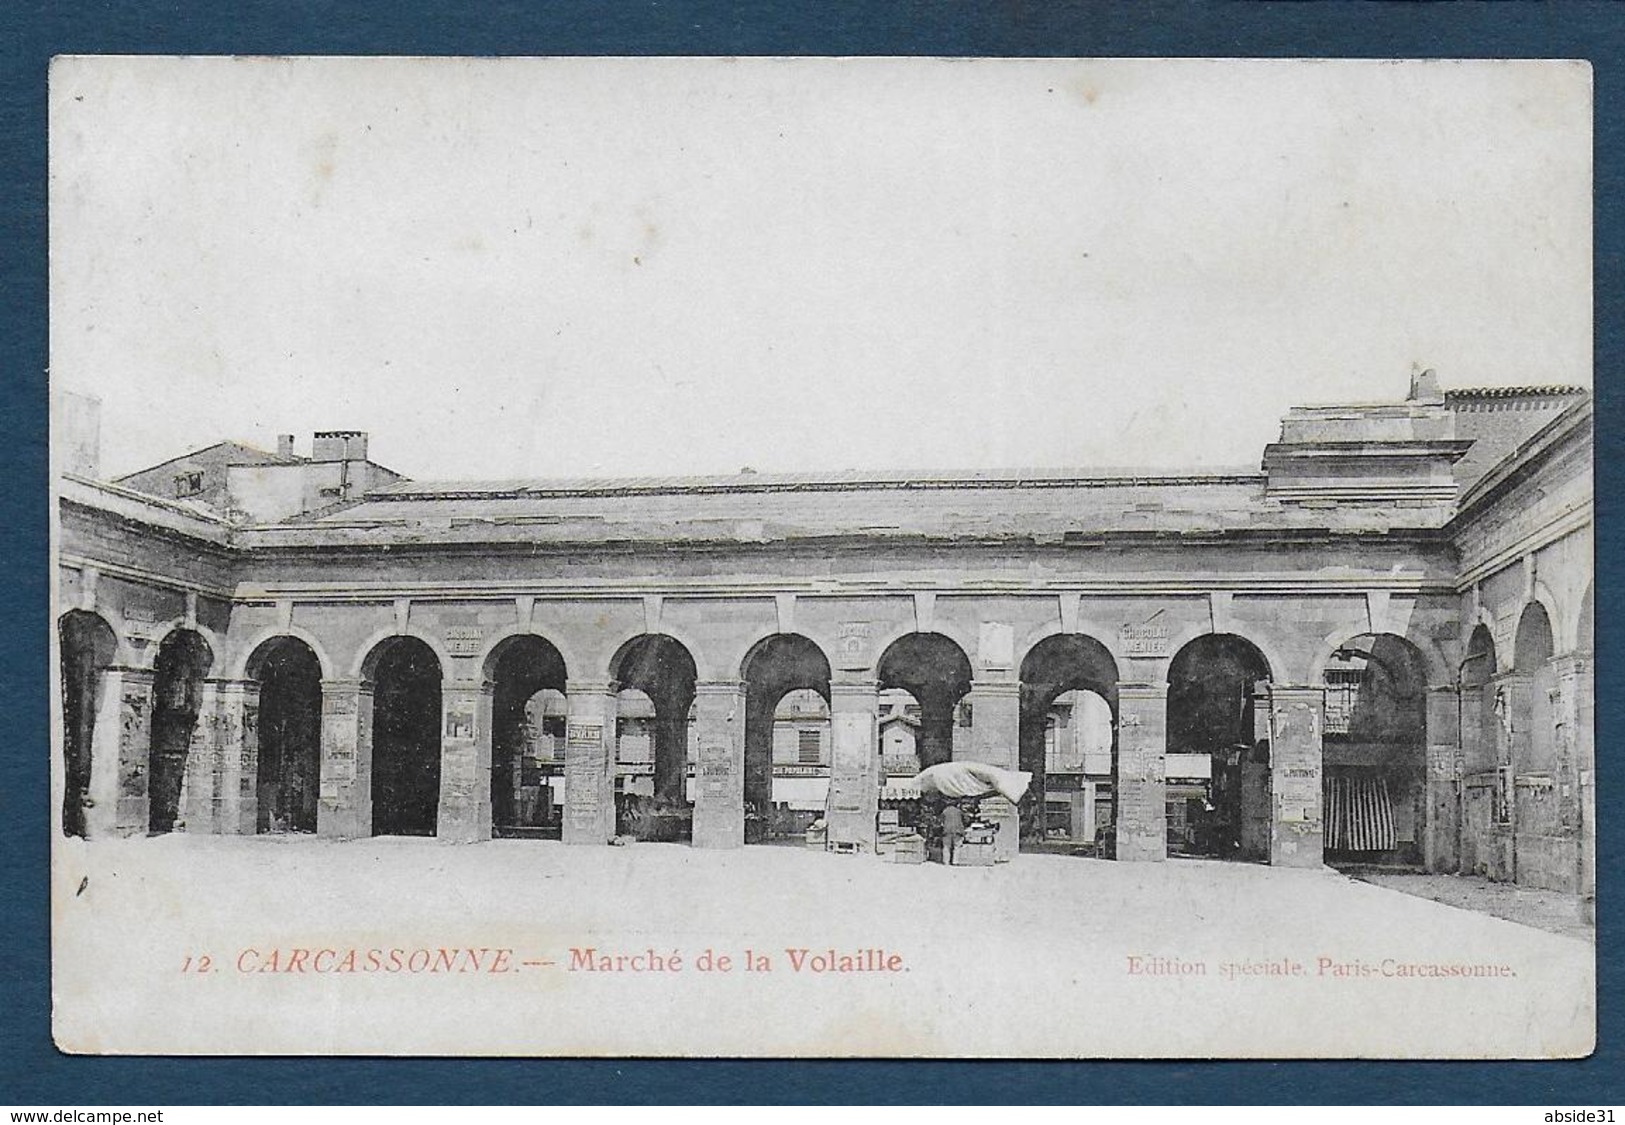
x=32 y=1072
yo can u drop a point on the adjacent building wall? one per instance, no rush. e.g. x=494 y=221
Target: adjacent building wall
x=1339 y=568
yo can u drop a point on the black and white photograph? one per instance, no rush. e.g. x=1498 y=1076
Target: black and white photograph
x=822 y=557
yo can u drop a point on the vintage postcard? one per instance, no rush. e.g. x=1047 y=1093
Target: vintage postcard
x=822 y=557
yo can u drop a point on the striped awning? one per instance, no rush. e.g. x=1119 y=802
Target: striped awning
x=1359 y=813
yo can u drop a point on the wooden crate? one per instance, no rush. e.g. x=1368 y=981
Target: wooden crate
x=979 y=854
x=908 y=849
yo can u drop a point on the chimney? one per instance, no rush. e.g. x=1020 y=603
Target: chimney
x=339 y=445
x=1425 y=387
x=284 y=445
x=77 y=441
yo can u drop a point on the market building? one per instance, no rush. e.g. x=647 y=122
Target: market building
x=1376 y=647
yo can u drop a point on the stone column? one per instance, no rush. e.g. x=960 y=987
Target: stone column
x=1566 y=674
x=202 y=783
x=1141 y=772
x=589 y=763
x=995 y=723
x=1441 y=831
x=1297 y=722
x=464 y=815
x=344 y=811
x=120 y=745
x=228 y=726
x=1510 y=700
x=854 y=771
x=1477 y=739
x=1512 y=755
x=996 y=740
x=1477 y=776
x=719 y=775
x=1585 y=767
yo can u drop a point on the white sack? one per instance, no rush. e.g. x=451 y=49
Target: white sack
x=972 y=779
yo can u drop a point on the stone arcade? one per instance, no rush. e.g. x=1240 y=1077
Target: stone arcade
x=1393 y=613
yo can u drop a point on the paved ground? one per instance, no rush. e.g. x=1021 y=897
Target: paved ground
x=1046 y=956
x=1545 y=910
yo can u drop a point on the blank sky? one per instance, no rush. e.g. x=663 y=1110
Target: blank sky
x=606 y=267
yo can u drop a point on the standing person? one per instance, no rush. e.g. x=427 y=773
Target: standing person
x=953 y=829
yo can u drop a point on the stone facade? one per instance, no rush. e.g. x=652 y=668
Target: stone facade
x=1358 y=526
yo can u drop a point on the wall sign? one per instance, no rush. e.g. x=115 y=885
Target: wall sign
x=996 y=645
x=716 y=770
x=464 y=640
x=588 y=737
x=856 y=637
x=460 y=724
x=1144 y=642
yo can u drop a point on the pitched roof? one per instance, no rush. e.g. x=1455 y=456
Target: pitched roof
x=227 y=452
x=1499 y=420
x=751 y=509
x=825 y=481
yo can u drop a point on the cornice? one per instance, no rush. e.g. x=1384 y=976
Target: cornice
x=877 y=483
x=144 y=576
x=142 y=510
x=576 y=589
x=263 y=542
x=1569 y=522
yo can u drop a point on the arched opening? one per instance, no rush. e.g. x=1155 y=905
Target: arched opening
x=787 y=734
x=1068 y=725
x=528 y=715
x=405 y=675
x=635 y=771
x=897 y=730
x=937 y=673
x=86 y=647
x=1534 y=732
x=1375 y=753
x=289 y=766
x=183 y=661
x=1481 y=790
x=1544 y=809
x=1218 y=770
x=533 y=773
x=662 y=670
x=1533 y=646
